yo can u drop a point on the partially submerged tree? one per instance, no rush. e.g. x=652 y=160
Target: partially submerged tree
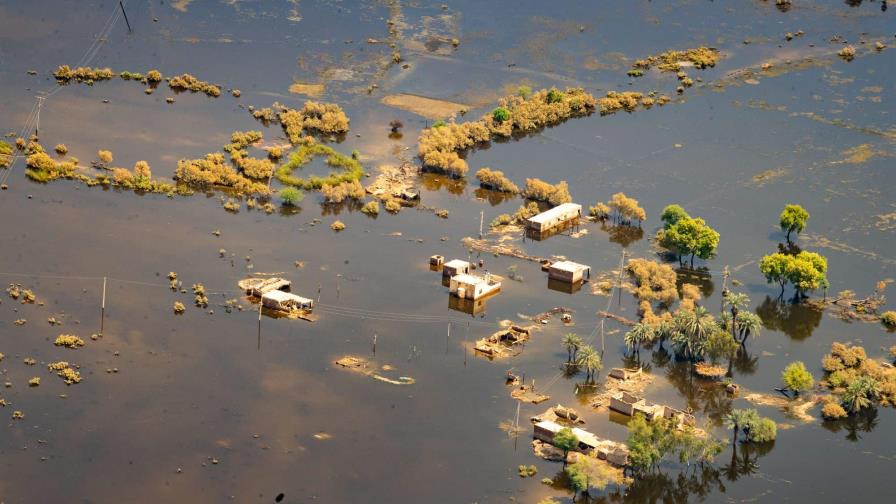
x=639 y=334
x=573 y=343
x=566 y=440
x=797 y=378
x=690 y=237
x=806 y=271
x=672 y=214
x=589 y=360
x=793 y=218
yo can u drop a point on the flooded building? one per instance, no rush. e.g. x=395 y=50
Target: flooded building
x=259 y=286
x=455 y=267
x=473 y=286
x=560 y=216
x=630 y=404
x=611 y=451
x=568 y=271
x=285 y=301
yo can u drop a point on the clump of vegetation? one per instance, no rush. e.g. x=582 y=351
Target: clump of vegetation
x=40 y=167
x=371 y=208
x=392 y=205
x=635 y=72
x=442 y=213
x=337 y=226
x=651 y=442
x=527 y=471
x=495 y=180
x=757 y=429
x=439 y=146
x=212 y=170
x=806 y=271
x=61 y=149
x=833 y=411
x=626 y=209
x=395 y=125
x=86 y=75
x=600 y=211
x=847 y=53
x=888 y=318
x=65 y=371
x=326 y=118
x=686 y=236
x=793 y=218
x=797 y=378
x=340 y=192
x=655 y=283
x=539 y=190
x=290 y=196
x=859 y=381
x=352 y=171
x=199 y=297
x=153 y=76
x=236 y=93
x=670 y=61
x=619 y=100
x=187 y=82
x=526 y=211
x=104 y=156
x=501 y=220
x=5 y=154
x=275 y=153
x=34 y=382
x=137 y=76
x=179 y=307
x=69 y=341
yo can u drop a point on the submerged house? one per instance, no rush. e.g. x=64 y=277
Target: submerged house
x=473 y=286
x=559 y=216
x=455 y=267
x=629 y=404
x=259 y=286
x=568 y=271
x=285 y=301
x=611 y=451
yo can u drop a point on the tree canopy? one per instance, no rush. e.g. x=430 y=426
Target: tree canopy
x=566 y=440
x=690 y=237
x=797 y=378
x=650 y=442
x=806 y=271
x=793 y=218
x=672 y=214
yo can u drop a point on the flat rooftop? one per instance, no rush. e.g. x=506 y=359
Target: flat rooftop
x=556 y=212
x=280 y=296
x=569 y=266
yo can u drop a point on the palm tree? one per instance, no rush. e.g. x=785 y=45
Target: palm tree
x=589 y=359
x=748 y=323
x=638 y=334
x=735 y=301
x=692 y=330
x=573 y=343
x=738 y=419
x=859 y=393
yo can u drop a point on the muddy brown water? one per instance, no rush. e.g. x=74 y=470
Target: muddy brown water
x=198 y=387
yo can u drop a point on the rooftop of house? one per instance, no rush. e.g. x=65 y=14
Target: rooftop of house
x=557 y=211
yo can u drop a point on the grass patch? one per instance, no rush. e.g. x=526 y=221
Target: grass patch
x=351 y=168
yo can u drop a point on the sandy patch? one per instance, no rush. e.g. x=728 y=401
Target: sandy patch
x=430 y=108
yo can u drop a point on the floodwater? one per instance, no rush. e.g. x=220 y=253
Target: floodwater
x=217 y=407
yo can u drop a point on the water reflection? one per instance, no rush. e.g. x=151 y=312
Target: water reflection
x=437 y=182
x=622 y=235
x=864 y=421
x=494 y=198
x=796 y=320
x=701 y=277
x=706 y=396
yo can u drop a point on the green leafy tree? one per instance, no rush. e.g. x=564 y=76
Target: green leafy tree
x=500 y=114
x=566 y=440
x=291 y=196
x=587 y=473
x=573 y=343
x=740 y=419
x=762 y=431
x=806 y=271
x=797 y=378
x=690 y=237
x=672 y=214
x=793 y=218
x=578 y=480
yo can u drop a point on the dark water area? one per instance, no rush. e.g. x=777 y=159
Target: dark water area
x=210 y=408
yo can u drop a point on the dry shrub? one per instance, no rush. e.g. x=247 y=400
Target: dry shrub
x=187 y=82
x=212 y=170
x=439 y=145
x=392 y=205
x=82 y=74
x=324 y=117
x=669 y=61
x=104 y=156
x=371 y=208
x=337 y=226
x=61 y=149
x=142 y=170
x=495 y=179
x=833 y=411
x=525 y=211
x=627 y=209
x=40 y=167
x=655 y=282
x=616 y=101
x=539 y=190
x=153 y=76
x=690 y=294
x=599 y=211
x=122 y=176
x=340 y=192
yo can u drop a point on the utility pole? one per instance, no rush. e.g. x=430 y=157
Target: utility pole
x=125 y=16
x=260 y=303
x=481 y=220
x=40 y=104
x=374 y=343
x=103 y=308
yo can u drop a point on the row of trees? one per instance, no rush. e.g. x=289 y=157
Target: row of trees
x=651 y=442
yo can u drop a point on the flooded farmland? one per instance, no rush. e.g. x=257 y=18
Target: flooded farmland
x=135 y=369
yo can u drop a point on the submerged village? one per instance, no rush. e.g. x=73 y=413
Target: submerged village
x=392 y=251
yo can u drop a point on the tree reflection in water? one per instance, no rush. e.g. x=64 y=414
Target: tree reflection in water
x=796 y=320
x=864 y=421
